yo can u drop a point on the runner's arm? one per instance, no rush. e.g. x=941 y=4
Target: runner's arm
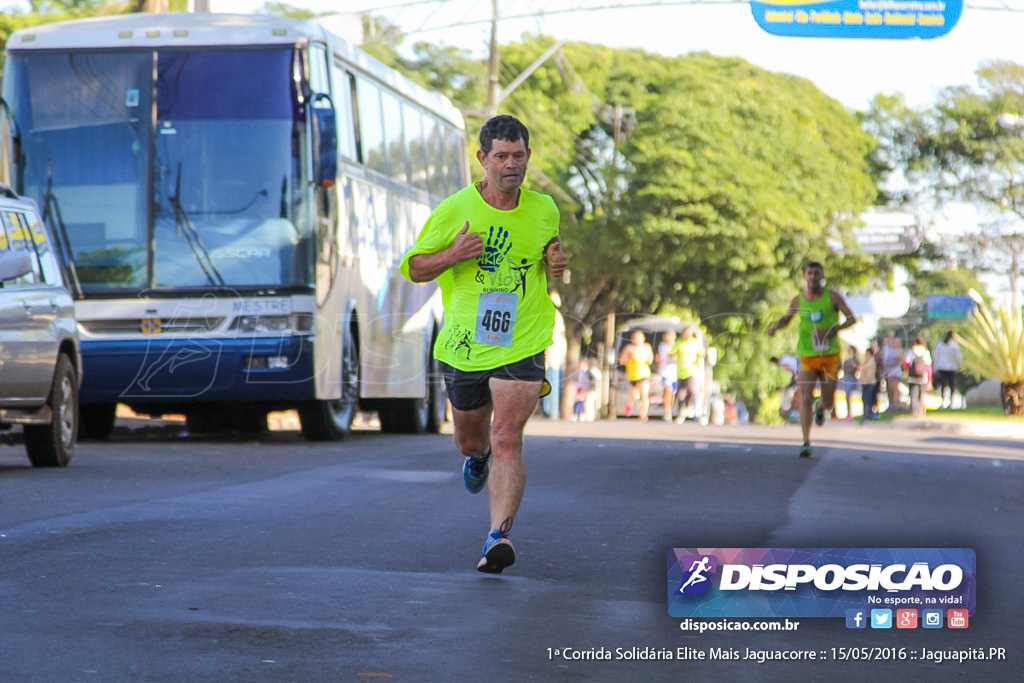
x=555 y=259
x=626 y=354
x=794 y=307
x=426 y=267
x=849 y=318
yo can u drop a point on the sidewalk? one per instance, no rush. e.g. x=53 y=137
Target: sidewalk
x=984 y=428
x=978 y=439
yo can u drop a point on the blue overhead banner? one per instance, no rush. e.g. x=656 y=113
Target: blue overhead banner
x=858 y=18
x=945 y=307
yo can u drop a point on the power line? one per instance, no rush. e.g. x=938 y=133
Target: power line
x=575 y=6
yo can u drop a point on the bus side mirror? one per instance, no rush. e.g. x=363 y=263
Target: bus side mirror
x=325 y=141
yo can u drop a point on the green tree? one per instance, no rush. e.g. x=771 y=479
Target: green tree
x=450 y=70
x=732 y=178
x=968 y=147
x=283 y=9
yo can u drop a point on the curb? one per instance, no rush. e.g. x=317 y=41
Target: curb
x=985 y=429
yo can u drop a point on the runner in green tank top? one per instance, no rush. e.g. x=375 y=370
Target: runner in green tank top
x=818 y=346
x=492 y=248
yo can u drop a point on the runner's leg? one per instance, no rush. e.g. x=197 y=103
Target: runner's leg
x=806 y=382
x=514 y=403
x=472 y=430
x=828 y=392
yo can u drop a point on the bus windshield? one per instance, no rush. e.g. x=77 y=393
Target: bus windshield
x=190 y=179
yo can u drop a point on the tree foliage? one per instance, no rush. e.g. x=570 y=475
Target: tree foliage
x=284 y=9
x=968 y=147
x=698 y=182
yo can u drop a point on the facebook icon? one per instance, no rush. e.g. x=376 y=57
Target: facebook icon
x=856 y=618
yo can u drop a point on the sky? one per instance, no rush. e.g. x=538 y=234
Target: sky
x=850 y=70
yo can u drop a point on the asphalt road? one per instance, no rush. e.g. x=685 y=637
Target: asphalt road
x=162 y=557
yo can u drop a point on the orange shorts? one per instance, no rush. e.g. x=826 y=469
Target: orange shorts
x=828 y=366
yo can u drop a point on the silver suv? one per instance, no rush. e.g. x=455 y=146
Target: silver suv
x=40 y=363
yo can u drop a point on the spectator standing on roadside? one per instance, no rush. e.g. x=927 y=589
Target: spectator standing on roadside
x=869 y=385
x=849 y=382
x=919 y=375
x=892 y=370
x=946 y=360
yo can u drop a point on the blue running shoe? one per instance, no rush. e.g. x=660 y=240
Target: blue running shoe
x=498 y=553
x=819 y=413
x=475 y=471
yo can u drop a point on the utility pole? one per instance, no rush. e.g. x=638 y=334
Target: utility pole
x=492 y=67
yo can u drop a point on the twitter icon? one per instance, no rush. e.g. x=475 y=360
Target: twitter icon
x=881 y=618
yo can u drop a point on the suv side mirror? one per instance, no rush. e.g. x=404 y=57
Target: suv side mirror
x=325 y=141
x=14 y=264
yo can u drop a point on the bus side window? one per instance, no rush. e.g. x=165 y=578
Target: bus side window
x=318 y=79
x=371 y=125
x=398 y=163
x=416 y=144
x=343 y=104
x=435 y=159
x=454 y=153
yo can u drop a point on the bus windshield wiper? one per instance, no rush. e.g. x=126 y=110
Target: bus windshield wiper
x=53 y=217
x=186 y=228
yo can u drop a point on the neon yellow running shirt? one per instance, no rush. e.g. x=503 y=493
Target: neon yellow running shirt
x=687 y=352
x=497 y=307
x=819 y=314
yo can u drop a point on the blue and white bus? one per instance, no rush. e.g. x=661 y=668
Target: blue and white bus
x=236 y=193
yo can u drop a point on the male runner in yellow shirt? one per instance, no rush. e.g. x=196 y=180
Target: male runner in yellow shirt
x=491 y=247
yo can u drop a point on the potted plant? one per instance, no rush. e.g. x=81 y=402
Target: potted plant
x=993 y=345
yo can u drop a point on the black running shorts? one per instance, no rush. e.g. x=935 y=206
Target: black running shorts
x=472 y=390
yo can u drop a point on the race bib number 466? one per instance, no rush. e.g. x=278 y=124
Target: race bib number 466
x=496 y=318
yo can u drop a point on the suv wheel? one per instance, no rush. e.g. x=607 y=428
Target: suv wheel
x=53 y=445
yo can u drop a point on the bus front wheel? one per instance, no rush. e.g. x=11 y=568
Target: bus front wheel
x=331 y=419
x=417 y=415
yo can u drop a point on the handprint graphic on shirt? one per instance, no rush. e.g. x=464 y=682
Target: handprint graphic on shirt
x=497 y=246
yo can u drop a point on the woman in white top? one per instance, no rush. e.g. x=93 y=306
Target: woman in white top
x=947 y=359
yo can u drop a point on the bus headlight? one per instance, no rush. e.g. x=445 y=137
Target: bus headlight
x=262 y=323
x=301 y=323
